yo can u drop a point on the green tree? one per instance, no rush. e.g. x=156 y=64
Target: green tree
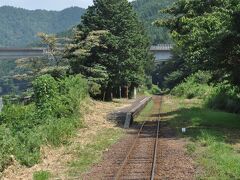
x=208 y=32
x=111 y=38
x=52 y=63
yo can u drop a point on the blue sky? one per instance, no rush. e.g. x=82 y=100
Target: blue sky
x=46 y=4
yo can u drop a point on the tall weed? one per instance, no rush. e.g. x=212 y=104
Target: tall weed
x=224 y=96
x=7 y=144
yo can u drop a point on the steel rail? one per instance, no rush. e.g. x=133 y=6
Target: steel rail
x=155 y=151
x=117 y=177
x=156 y=142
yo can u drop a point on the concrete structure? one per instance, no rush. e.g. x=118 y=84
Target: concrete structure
x=13 y=53
x=162 y=52
x=1 y=104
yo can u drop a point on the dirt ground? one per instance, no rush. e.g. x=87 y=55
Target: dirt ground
x=55 y=160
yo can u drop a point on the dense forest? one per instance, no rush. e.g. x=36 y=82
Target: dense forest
x=18 y=27
x=148 y=12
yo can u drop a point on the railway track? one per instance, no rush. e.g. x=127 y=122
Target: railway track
x=140 y=161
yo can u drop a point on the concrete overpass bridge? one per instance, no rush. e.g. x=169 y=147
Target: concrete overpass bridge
x=162 y=52
x=17 y=53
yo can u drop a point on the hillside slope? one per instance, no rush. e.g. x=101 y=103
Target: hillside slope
x=18 y=27
x=149 y=11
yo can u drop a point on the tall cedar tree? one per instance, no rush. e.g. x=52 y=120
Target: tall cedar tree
x=111 y=38
x=208 y=32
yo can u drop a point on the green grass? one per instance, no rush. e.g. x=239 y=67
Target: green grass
x=145 y=112
x=214 y=137
x=92 y=153
x=41 y=175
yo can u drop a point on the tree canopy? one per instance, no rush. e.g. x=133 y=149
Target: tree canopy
x=111 y=41
x=208 y=33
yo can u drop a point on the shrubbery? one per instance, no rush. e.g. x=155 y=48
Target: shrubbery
x=59 y=98
x=149 y=90
x=7 y=144
x=195 y=85
x=45 y=94
x=52 y=118
x=224 y=96
x=155 y=90
x=173 y=78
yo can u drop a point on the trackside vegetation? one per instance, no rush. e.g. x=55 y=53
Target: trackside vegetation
x=213 y=136
x=205 y=60
x=222 y=96
x=51 y=118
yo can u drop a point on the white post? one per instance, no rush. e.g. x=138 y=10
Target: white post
x=1 y=104
x=135 y=93
x=120 y=92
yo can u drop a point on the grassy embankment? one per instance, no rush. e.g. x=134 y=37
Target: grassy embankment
x=92 y=152
x=85 y=155
x=52 y=119
x=214 y=137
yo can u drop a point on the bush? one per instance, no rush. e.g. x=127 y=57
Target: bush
x=73 y=91
x=45 y=92
x=7 y=144
x=191 y=90
x=27 y=150
x=58 y=131
x=53 y=118
x=17 y=117
x=59 y=98
x=155 y=90
x=20 y=122
x=194 y=86
x=201 y=77
x=94 y=89
x=224 y=96
x=173 y=78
